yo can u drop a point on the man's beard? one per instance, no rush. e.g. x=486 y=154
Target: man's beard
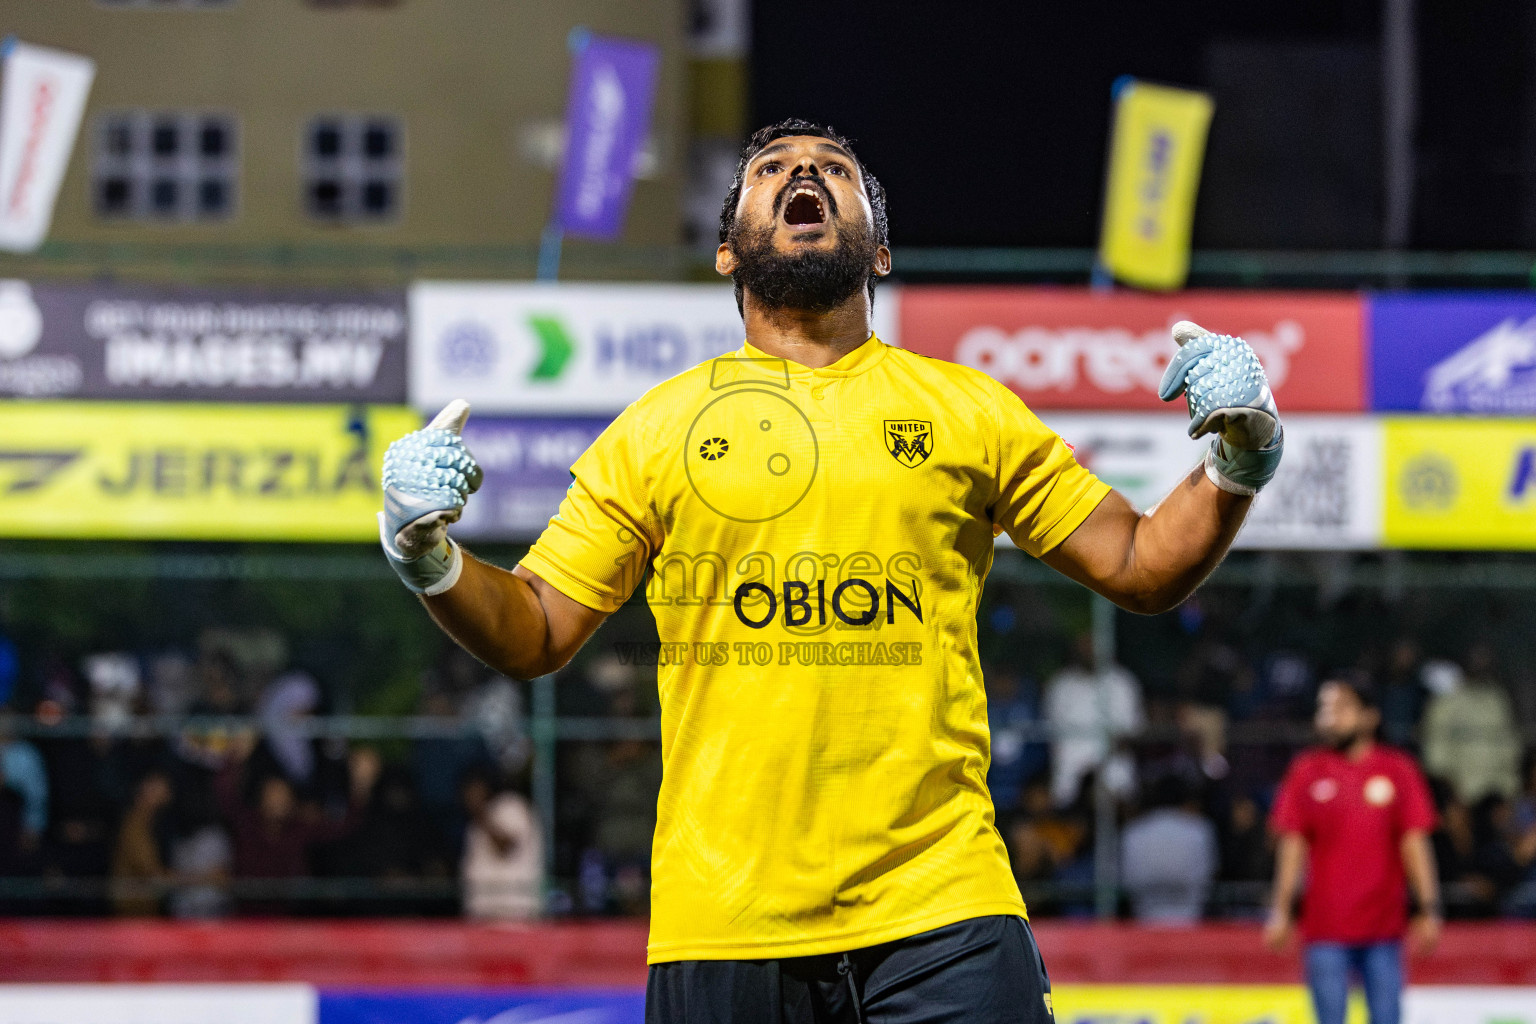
x=815 y=280
x=1341 y=742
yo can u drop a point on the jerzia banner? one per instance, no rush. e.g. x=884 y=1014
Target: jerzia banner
x=205 y=344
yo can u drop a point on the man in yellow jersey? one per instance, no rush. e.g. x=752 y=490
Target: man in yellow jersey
x=813 y=517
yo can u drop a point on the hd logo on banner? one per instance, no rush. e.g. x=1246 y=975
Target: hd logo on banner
x=1460 y=483
x=194 y=472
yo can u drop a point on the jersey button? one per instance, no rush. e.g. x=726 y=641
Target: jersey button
x=818 y=393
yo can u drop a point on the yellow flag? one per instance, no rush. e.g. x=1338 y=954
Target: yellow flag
x=1155 y=155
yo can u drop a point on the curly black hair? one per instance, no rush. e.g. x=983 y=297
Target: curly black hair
x=798 y=126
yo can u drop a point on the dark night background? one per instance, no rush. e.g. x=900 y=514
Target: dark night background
x=997 y=115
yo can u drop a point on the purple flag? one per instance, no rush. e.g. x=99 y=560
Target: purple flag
x=613 y=83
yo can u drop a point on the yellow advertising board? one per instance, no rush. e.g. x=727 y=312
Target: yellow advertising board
x=1155 y=154
x=195 y=472
x=1460 y=483
x=1189 y=1004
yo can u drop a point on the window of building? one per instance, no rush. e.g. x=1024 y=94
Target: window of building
x=352 y=168
x=165 y=165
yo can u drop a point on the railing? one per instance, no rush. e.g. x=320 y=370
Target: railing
x=334 y=262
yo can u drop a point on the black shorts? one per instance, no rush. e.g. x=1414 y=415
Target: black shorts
x=983 y=971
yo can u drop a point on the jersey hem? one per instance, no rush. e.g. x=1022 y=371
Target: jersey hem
x=1081 y=509
x=669 y=952
x=567 y=584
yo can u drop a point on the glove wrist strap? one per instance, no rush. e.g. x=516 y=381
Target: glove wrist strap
x=430 y=574
x=1222 y=481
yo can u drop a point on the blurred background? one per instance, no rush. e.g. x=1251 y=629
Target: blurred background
x=284 y=230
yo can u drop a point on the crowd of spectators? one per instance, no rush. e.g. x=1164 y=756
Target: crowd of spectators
x=1187 y=778
x=246 y=809
x=242 y=807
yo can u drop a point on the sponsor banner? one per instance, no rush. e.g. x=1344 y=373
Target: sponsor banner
x=1465 y=1004
x=1326 y=495
x=1281 y=1004
x=1156 y=149
x=129 y=1003
x=1061 y=348
x=41 y=103
x=523 y=1006
x=572 y=350
x=1458 y=483
x=1454 y=353
x=195 y=472
x=1182 y=1004
x=527 y=464
x=205 y=344
x=613 y=83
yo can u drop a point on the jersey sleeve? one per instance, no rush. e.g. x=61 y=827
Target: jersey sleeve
x=597 y=546
x=1043 y=494
x=1418 y=803
x=1289 y=813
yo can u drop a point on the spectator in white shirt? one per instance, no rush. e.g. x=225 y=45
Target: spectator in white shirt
x=1168 y=856
x=503 y=865
x=1091 y=709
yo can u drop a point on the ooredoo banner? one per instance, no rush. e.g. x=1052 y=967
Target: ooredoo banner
x=1060 y=348
x=1326 y=495
x=200 y=344
x=1454 y=353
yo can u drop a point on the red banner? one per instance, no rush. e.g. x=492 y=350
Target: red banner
x=1062 y=348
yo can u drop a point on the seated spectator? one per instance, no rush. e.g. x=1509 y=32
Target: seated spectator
x=503 y=865
x=1092 y=709
x=1470 y=739
x=1168 y=856
x=1013 y=715
x=273 y=839
x=137 y=865
x=1246 y=855
x=24 y=772
x=202 y=859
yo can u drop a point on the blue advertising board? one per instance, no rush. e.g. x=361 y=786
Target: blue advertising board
x=1443 y=353
x=527 y=464
x=483 y=1006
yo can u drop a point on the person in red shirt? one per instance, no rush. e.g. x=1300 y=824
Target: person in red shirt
x=1354 y=817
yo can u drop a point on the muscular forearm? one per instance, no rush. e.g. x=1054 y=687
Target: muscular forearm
x=1149 y=562
x=1290 y=862
x=497 y=616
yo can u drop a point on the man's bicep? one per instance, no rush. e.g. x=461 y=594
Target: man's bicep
x=1097 y=552
x=568 y=622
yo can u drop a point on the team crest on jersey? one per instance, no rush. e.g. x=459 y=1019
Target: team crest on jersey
x=910 y=442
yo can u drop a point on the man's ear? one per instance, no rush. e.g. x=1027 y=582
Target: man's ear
x=725 y=260
x=882 y=261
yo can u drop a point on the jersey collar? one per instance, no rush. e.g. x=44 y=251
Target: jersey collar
x=851 y=365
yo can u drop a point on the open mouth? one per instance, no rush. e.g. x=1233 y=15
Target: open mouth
x=805 y=208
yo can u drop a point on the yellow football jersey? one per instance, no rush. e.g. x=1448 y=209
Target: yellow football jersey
x=813 y=543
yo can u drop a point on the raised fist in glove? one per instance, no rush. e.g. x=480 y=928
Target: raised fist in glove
x=1228 y=396
x=428 y=475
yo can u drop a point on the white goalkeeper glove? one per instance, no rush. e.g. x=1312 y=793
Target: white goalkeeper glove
x=428 y=475
x=1228 y=396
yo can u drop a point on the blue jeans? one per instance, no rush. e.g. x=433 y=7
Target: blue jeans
x=1380 y=966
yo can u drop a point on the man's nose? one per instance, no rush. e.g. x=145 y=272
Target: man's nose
x=806 y=167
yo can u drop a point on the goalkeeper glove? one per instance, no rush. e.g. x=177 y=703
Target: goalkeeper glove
x=1228 y=396
x=428 y=474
